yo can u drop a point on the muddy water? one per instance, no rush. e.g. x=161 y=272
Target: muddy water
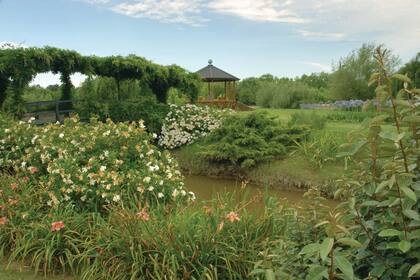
x=206 y=188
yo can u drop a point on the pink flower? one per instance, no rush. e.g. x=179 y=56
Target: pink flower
x=57 y=226
x=143 y=215
x=26 y=179
x=13 y=186
x=33 y=169
x=233 y=217
x=3 y=220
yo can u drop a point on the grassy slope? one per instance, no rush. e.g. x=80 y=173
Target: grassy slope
x=293 y=170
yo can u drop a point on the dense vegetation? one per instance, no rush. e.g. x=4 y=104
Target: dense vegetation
x=245 y=141
x=100 y=201
x=348 y=80
x=18 y=66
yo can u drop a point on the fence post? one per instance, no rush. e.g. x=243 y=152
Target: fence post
x=57 y=116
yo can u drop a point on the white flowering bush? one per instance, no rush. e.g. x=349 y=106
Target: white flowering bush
x=91 y=165
x=185 y=124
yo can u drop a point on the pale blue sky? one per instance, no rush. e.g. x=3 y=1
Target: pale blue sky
x=244 y=37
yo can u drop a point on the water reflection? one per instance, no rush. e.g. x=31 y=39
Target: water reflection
x=207 y=188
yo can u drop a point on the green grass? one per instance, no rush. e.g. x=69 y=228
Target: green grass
x=19 y=273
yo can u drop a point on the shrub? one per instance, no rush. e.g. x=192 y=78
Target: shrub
x=185 y=124
x=245 y=141
x=349 y=116
x=319 y=148
x=314 y=120
x=286 y=94
x=91 y=166
x=146 y=109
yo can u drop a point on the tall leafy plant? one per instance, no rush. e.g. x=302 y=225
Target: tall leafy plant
x=384 y=201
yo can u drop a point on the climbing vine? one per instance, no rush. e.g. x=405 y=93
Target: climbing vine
x=18 y=66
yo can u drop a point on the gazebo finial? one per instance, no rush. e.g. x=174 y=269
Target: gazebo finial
x=210 y=62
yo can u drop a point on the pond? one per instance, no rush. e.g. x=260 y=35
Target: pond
x=206 y=188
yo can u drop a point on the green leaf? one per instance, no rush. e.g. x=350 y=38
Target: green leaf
x=412 y=214
x=393 y=136
x=326 y=247
x=370 y=203
x=401 y=77
x=389 y=233
x=310 y=248
x=414 y=270
x=404 y=245
x=356 y=147
x=378 y=269
x=345 y=266
x=317 y=273
x=409 y=193
x=412 y=119
x=350 y=242
x=269 y=274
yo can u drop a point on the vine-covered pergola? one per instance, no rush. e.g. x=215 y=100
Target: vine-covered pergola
x=211 y=74
x=20 y=65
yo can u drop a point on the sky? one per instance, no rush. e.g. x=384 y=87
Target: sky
x=246 y=38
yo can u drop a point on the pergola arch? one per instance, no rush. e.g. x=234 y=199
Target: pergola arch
x=20 y=65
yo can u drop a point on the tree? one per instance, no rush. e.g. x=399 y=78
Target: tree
x=412 y=69
x=351 y=75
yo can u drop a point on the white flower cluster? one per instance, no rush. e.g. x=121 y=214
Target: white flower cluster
x=185 y=124
x=94 y=164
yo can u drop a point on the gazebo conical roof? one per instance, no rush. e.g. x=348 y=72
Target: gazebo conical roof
x=211 y=73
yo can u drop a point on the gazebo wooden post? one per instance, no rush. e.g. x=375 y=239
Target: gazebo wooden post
x=234 y=91
x=230 y=93
x=208 y=95
x=225 y=89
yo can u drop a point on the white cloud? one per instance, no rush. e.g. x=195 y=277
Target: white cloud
x=320 y=66
x=393 y=22
x=179 y=11
x=262 y=10
x=322 y=35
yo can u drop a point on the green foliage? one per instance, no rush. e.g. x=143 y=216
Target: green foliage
x=133 y=103
x=247 y=90
x=90 y=166
x=312 y=119
x=284 y=93
x=218 y=239
x=412 y=70
x=245 y=141
x=349 y=116
x=315 y=80
x=384 y=205
x=319 y=148
x=350 y=77
x=19 y=66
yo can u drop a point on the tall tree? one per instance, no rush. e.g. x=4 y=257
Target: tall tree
x=351 y=75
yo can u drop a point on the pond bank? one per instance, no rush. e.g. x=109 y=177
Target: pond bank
x=291 y=173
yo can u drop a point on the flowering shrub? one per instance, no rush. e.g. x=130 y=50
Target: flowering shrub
x=91 y=165
x=185 y=124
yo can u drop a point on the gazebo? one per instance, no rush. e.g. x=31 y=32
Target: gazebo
x=212 y=74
